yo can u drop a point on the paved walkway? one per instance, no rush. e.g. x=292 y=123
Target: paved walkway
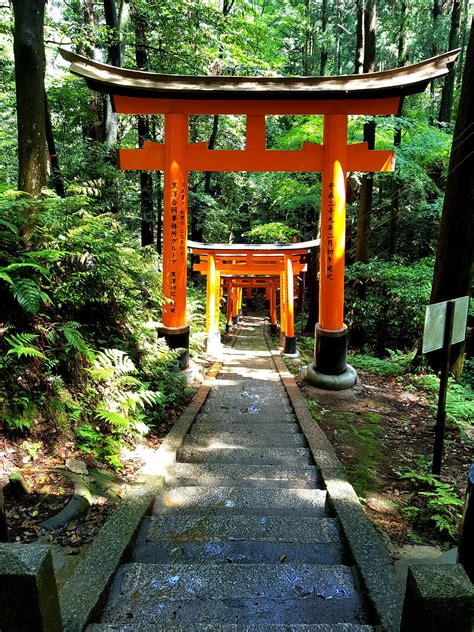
x=242 y=537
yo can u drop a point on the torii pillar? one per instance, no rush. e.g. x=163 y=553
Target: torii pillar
x=174 y=327
x=330 y=369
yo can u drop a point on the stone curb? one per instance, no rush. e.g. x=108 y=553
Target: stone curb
x=369 y=554
x=83 y=595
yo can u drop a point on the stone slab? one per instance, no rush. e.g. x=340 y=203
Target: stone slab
x=238 y=552
x=245 y=475
x=438 y=598
x=251 y=501
x=232 y=627
x=266 y=439
x=256 y=456
x=181 y=526
x=234 y=593
x=28 y=592
x=208 y=426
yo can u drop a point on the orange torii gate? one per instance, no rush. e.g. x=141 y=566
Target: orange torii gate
x=286 y=260
x=269 y=284
x=336 y=98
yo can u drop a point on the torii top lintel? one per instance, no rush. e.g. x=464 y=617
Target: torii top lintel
x=138 y=92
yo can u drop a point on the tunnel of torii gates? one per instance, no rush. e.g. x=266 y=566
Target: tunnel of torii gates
x=335 y=98
x=240 y=266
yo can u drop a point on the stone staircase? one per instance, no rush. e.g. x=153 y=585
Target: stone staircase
x=242 y=537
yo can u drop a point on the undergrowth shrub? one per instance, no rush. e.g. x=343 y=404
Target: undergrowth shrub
x=385 y=303
x=73 y=282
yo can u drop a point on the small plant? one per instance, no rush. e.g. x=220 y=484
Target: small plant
x=443 y=507
x=22 y=345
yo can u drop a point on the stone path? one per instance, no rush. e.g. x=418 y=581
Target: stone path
x=242 y=537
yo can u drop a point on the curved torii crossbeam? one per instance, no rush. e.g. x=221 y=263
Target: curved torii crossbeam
x=178 y=97
x=251 y=260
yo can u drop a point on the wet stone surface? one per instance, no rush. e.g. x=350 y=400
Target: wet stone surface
x=241 y=538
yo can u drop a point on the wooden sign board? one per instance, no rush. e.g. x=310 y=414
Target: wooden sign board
x=435 y=320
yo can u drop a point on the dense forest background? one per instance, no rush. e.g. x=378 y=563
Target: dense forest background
x=80 y=246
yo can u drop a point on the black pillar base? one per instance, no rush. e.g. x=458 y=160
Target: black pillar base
x=177 y=338
x=273 y=329
x=330 y=351
x=290 y=345
x=227 y=328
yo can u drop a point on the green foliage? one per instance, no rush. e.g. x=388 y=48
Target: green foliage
x=459 y=399
x=397 y=364
x=272 y=233
x=442 y=505
x=21 y=345
x=387 y=299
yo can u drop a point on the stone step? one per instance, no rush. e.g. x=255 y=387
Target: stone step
x=251 y=438
x=241 y=552
x=243 y=500
x=181 y=526
x=210 y=426
x=255 y=456
x=273 y=392
x=232 y=627
x=248 y=409
x=235 y=474
x=231 y=417
x=233 y=593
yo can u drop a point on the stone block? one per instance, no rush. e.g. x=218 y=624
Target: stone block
x=28 y=593
x=438 y=598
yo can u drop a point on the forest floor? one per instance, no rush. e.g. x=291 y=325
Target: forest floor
x=383 y=431
x=50 y=465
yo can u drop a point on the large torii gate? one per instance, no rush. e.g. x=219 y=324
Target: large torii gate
x=336 y=98
x=285 y=260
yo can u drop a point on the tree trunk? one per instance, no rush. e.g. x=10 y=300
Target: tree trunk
x=397 y=139
x=359 y=59
x=324 y=44
x=146 y=180
x=435 y=13
x=52 y=153
x=453 y=266
x=367 y=186
x=28 y=47
x=114 y=58
x=448 y=88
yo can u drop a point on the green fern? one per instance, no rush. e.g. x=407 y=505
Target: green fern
x=21 y=345
x=75 y=339
x=29 y=296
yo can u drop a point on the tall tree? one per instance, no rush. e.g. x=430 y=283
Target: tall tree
x=324 y=44
x=139 y=22
x=114 y=57
x=454 y=254
x=52 y=151
x=367 y=186
x=446 y=105
x=359 y=60
x=28 y=46
x=397 y=137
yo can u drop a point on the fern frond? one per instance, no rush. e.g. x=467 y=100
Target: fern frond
x=29 y=296
x=21 y=345
x=114 y=419
x=32 y=266
x=115 y=359
x=6 y=277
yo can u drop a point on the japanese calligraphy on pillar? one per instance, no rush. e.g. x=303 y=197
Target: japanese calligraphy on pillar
x=330 y=232
x=177 y=240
